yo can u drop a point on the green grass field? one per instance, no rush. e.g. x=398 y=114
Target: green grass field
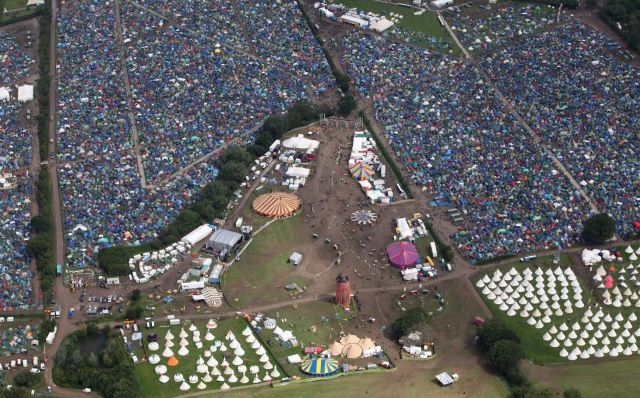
x=375 y=385
x=426 y=25
x=611 y=378
x=10 y=5
x=152 y=388
x=254 y=277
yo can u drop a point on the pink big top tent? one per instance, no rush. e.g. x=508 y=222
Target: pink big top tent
x=402 y=254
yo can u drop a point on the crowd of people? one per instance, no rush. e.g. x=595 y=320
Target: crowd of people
x=458 y=140
x=15 y=64
x=482 y=28
x=573 y=87
x=15 y=182
x=195 y=85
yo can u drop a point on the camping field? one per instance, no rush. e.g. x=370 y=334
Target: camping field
x=535 y=348
x=152 y=388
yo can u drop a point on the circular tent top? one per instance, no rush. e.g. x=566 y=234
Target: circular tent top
x=352 y=351
x=277 y=204
x=320 y=367
x=402 y=254
x=364 y=217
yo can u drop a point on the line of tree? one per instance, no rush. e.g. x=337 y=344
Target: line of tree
x=212 y=201
x=503 y=352
x=627 y=14
x=108 y=370
x=347 y=102
x=41 y=245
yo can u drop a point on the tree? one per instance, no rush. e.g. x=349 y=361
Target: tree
x=598 y=229
x=492 y=332
x=135 y=295
x=343 y=81
x=233 y=171
x=27 y=379
x=346 y=105
x=504 y=356
x=133 y=312
x=572 y=393
x=235 y=153
x=408 y=320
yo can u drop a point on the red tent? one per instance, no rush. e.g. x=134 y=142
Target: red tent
x=402 y=254
x=608 y=281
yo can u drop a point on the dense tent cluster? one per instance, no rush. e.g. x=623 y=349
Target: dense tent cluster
x=618 y=283
x=147 y=102
x=458 y=140
x=574 y=88
x=15 y=182
x=222 y=362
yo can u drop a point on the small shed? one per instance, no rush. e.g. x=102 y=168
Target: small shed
x=295 y=258
x=444 y=379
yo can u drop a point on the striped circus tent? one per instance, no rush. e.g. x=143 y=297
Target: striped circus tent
x=319 y=367
x=361 y=171
x=277 y=204
x=212 y=296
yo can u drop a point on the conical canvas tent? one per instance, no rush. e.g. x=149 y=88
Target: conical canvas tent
x=402 y=254
x=277 y=204
x=361 y=171
x=172 y=361
x=318 y=367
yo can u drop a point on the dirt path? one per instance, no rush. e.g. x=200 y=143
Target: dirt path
x=65 y=301
x=127 y=85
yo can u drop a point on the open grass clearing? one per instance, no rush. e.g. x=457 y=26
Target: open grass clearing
x=595 y=379
x=390 y=384
x=259 y=275
x=20 y=7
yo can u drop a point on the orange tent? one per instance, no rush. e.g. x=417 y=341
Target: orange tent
x=172 y=361
x=277 y=204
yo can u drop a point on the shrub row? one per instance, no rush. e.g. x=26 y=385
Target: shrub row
x=41 y=246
